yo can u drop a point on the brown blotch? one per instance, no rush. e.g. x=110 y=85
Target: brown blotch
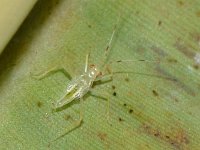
x=198 y=13
x=39 y=104
x=130 y=111
x=155 y=93
x=157 y=134
x=89 y=26
x=175 y=99
x=127 y=79
x=184 y=49
x=172 y=60
x=177 y=139
x=92 y=65
x=180 y=3
x=113 y=87
x=137 y=13
x=120 y=119
x=66 y=117
x=196 y=36
x=114 y=94
x=167 y=137
x=102 y=136
x=196 y=66
x=159 y=23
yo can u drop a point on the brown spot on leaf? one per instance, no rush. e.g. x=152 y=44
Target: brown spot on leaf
x=185 y=49
x=127 y=79
x=113 y=87
x=155 y=93
x=175 y=99
x=120 y=119
x=89 y=26
x=167 y=137
x=39 y=104
x=180 y=3
x=137 y=12
x=177 y=137
x=114 y=94
x=196 y=37
x=198 y=13
x=159 y=23
x=172 y=60
x=130 y=111
x=102 y=136
x=196 y=66
x=157 y=134
x=66 y=117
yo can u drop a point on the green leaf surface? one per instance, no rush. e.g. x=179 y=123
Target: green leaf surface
x=154 y=106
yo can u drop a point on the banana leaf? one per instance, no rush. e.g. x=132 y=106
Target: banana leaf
x=152 y=101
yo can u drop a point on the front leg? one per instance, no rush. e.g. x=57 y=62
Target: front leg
x=108 y=76
x=51 y=72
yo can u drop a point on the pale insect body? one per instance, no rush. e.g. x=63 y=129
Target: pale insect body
x=79 y=86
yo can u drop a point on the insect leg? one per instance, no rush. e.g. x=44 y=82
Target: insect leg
x=81 y=111
x=79 y=121
x=108 y=46
x=108 y=76
x=52 y=71
x=75 y=125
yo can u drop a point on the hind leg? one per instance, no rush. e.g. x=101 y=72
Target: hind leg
x=75 y=125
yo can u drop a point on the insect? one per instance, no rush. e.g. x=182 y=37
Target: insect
x=81 y=85
x=78 y=87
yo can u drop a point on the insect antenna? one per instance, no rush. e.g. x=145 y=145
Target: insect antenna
x=144 y=61
x=108 y=46
x=139 y=60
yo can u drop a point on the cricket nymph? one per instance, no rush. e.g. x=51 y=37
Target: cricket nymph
x=78 y=86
